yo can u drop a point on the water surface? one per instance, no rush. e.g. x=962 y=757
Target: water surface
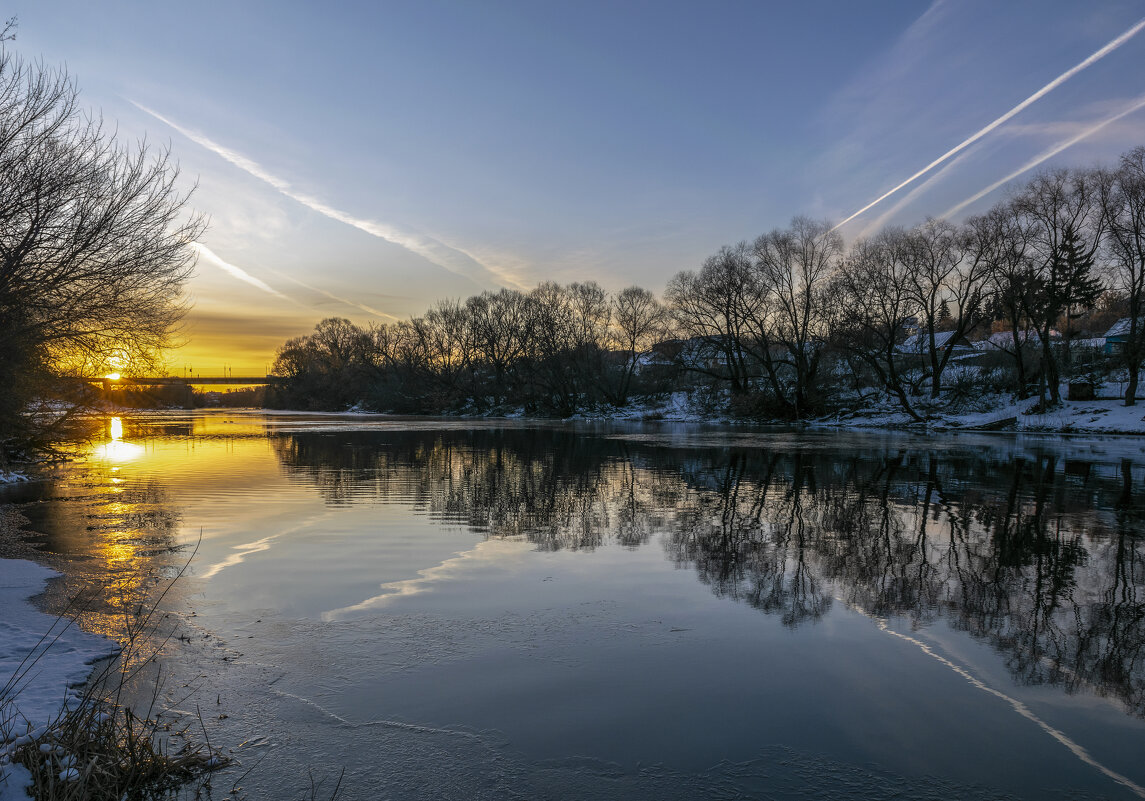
x=501 y=609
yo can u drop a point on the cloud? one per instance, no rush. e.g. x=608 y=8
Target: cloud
x=332 y=296
x=242 y=275
x=1049 y=153
x=1049 y=87
x=237 y=272
x=449 y=258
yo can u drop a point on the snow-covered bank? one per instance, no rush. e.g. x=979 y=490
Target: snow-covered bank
x=1000 y=413
x=1107 y=416
x=43 y=662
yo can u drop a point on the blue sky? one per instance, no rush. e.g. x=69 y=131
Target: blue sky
x=365 y=159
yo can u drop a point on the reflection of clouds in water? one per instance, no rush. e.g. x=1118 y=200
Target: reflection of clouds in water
x=243 y=551
x=492 y=551
x=257 y=546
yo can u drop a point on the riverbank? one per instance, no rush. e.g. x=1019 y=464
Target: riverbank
x=80 y=654
x=45 y=661
x=990 y=413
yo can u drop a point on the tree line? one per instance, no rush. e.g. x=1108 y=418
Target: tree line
x=792 y=324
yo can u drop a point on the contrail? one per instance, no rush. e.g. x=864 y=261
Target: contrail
x=880 y=221
x=437 y=252
x=1046 y=154
x=233 y=270
x=332 y=296
x=1049 y=87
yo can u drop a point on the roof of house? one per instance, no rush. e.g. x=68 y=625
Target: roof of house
x=1120 y=328
x=920 y=342
x=1001 y=340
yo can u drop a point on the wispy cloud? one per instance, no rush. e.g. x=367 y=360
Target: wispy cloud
x=450 y=258
x=242 y=275
x=1049 y=87
x=332 y=296
x=209 y=255
x=1049 y=153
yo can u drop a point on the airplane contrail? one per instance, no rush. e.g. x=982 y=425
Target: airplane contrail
x=1049 y=87
x=444 y=256
x=332 y=296
x=233 y=270
x=879 y=222
x=1047 y=154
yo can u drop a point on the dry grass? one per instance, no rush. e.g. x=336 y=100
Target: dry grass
x=99 y=751
x=99 y=747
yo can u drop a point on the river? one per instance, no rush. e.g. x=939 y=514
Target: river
x=511 y=609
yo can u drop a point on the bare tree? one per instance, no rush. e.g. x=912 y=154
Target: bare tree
x=93 y=236
x=639 y=321
x=943 y=274
x=1125 y=250
x=499 y=321
x=1065 y=213
x=876 y=303
x=997 y=241
x=712 y=308
x=794 y=266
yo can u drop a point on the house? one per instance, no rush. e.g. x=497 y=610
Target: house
x=919 y=344
x=1118 y=335
x=1004 y=340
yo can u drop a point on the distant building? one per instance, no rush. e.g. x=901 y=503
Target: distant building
x=1118 y=335
x=1004 y=340
x=919 y=344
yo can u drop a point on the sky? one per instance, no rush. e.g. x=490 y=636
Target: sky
x=366 y=159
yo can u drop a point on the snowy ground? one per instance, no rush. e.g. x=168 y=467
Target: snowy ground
x=1107 y=416
x=1002 y=413
x=43 y=660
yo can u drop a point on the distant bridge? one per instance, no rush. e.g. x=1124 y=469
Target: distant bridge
x=187 y=381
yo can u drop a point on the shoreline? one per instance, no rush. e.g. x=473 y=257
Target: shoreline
x=45 y=660
x=1103 y=416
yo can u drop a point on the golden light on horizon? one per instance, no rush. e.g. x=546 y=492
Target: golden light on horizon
x=113 y=377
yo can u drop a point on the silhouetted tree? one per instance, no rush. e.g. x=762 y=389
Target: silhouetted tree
x=1125 y=250
x=93 y=244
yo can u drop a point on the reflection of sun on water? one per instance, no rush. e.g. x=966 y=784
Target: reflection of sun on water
x=116 y=450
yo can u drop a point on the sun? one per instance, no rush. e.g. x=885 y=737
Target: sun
x=117 y=360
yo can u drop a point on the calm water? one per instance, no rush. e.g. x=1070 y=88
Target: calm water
x=456 y=609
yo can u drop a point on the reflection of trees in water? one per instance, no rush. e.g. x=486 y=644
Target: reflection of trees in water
x=555 y=488
x=1039 y=557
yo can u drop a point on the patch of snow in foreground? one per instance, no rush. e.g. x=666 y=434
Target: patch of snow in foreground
x=8 y=477
x=63 y=664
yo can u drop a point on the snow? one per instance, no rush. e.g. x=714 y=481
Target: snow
x=1105 y=416
x=10 y=477
x=42 y=684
